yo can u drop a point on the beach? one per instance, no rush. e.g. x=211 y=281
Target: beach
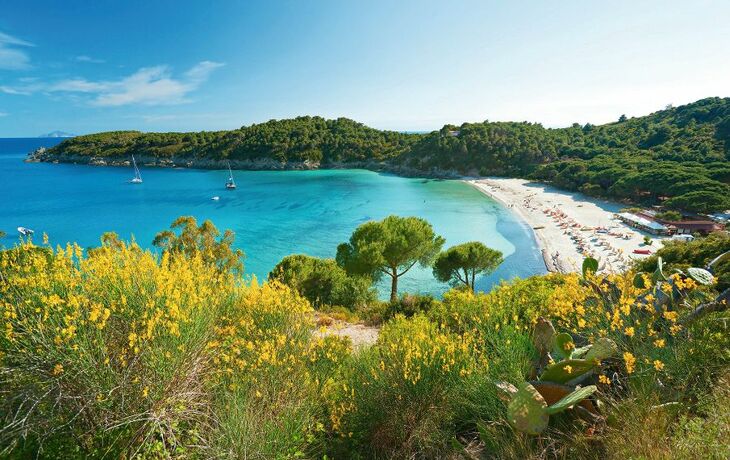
x=569 y=226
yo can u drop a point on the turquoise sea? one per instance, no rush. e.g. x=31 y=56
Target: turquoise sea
x=274 y=213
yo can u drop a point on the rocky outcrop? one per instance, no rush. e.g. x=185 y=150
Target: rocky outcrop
x=262 y=164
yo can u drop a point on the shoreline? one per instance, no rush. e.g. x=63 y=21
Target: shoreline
x=567 y=226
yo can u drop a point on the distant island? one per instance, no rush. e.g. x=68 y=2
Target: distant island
x=677 y=157
x=57 y=134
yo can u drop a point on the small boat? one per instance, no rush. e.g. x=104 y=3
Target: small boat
x=137 y=176
x=216 y=198
x=25 y=231
x=230 y=183
x=642 y=251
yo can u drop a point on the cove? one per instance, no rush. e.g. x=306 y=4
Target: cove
x=274 y=213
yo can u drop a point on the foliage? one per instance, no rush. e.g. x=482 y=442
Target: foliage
x=193 y=240
x=462 y=263
x=678 y=156
x=398 y=398
x=410 y=305
x=389 y=247
x=673 y=216
x=123 y=354
x=699 y=252
x=323 y=282
x=300 y=139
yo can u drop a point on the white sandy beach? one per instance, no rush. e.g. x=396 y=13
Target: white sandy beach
x=569 y=226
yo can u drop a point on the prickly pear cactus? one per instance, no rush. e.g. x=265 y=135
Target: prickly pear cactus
x=602 y=348
x=658 y=274
x=543 y=335
x=563 y=345
x=579 y=353
x=701 y=275
x=639 y=281
x=589 y=265
x=567 y=370
x=554 y=392
x=527 y=411
x=572 y=399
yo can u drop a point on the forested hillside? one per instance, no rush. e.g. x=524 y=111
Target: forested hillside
x=678 y=156
x=299 y=139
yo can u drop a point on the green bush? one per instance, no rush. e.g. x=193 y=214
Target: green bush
x=323 y=282
x=411 y=304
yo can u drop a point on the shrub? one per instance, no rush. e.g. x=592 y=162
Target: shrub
x=398 y=397
x=411 y=304
x=125 y=354
x=323 y=282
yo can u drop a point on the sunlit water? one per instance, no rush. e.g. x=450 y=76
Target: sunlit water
x=273 y=213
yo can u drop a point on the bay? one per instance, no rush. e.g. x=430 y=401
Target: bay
x=273 y=213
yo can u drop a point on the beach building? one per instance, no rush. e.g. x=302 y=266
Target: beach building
x=642 y=223
x=690 y=227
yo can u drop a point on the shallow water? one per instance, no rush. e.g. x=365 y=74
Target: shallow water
x=274 y=213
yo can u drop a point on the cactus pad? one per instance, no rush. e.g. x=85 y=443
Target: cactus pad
x=554 y=392
x=563 y=345
x=602 y=348
x=589 y=265
x=567 y=370
x=639 y=282
x=543 y=335
x=572 y=399
x=527 y=411
x=701 y=275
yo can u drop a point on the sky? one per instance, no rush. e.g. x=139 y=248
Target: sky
x=84 y=67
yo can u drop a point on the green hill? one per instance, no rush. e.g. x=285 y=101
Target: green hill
x=677 y=156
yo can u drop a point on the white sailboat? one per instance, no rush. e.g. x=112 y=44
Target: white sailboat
x=230 y=183
x=25 y=231
x=137 y=176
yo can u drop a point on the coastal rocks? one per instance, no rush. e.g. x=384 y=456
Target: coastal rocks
x=259 y=164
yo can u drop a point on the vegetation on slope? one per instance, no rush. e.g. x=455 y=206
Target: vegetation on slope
x=697 y=253
x=678 y=156
x=121 y=353
x=300 y=139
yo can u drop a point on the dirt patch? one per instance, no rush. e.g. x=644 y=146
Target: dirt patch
x=359 y=334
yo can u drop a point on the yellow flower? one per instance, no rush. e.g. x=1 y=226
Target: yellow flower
x=568 y=369
x=629 y=331
x=604 y=380
x=57 y=369
x=630 y=362
x=145 y=392
x=658 y=365
x=659 y=343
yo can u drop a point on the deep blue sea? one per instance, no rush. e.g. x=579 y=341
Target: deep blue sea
x=274 y=213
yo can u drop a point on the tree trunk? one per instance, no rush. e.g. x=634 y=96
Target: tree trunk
x=394 y=289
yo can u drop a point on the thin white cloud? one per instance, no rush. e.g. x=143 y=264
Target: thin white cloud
x=147 y=86
x=3 y=114
x=89 y=59
x=18 y=91
x=12 y=56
